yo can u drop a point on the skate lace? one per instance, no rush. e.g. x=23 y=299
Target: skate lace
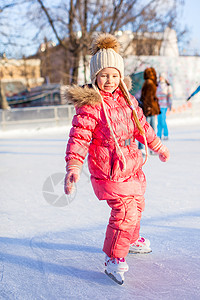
x=116 y=260
x=141 y=240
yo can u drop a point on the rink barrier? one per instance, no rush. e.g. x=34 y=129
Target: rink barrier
x=36 y=117
x=182 y=110
x=61 y=115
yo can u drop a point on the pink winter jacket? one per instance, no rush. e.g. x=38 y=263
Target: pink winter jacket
x=91 y=134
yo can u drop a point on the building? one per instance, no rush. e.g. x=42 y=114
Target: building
x=27 y=71
x=55 y=62
x=149 y=43
x=17 y=76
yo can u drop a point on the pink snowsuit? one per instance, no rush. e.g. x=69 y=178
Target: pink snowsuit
x=122 y=189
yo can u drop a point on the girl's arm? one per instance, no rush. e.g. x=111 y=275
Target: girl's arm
x=80 y=136
x=83 y=125
x=169 y=97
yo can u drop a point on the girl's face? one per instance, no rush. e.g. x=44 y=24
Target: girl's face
x=108 y=79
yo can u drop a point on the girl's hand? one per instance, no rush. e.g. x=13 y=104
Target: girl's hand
x=72 y=176
x=164 y=153
x=161 y=149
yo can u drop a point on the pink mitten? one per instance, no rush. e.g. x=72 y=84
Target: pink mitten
x=73 y=174
x=159 y=148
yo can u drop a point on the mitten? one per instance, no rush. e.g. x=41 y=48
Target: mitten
x=73 y=174
x=159 y=148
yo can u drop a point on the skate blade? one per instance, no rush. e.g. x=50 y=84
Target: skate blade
x=114 y=278
x=140 y=251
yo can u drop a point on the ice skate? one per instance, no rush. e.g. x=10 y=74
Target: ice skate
x=142 y=245
x=115 y=268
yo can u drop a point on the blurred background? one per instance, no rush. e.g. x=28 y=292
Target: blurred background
x=45 y=45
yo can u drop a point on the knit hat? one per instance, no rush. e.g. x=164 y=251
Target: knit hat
x=163 y=75
x=105 y=54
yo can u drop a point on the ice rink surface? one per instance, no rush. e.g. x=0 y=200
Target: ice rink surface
x=51 y=245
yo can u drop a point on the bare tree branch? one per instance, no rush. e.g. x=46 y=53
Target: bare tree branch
x=74 y=22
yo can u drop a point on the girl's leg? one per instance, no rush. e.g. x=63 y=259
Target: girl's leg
x=152 y=122
x=159 y=125
x=122 y=224
x=136 y=232
x=165 y=128
x=140 y=208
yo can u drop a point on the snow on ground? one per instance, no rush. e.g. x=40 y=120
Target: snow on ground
x=55 y=252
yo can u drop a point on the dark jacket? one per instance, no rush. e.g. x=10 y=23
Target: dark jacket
x=148 y=94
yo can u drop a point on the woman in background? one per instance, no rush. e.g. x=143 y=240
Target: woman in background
x=164 y=94
x=149 y=100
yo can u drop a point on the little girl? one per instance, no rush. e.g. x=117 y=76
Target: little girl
x=107 y=122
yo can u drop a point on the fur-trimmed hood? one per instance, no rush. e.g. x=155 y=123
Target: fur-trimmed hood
x=80 y=96
x=86 y=95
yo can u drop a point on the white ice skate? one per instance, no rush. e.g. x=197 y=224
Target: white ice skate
x=115 y=268
x=142 y=245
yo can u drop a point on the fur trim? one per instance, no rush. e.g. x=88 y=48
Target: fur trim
x=86 y=95
x=128 y=82
x=80 y=96
x=105 y=41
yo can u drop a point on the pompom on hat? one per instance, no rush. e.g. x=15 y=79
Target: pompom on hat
x=105 y=54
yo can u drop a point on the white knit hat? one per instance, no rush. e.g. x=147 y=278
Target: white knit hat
x=163 y=75
x=105 y=54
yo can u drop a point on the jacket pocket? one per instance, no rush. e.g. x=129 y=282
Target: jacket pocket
x=99 y=161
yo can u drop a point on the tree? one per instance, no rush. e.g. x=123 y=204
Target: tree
x=3 y=100
x=74 y=22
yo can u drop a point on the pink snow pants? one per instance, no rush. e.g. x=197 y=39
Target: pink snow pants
x=124 y=225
